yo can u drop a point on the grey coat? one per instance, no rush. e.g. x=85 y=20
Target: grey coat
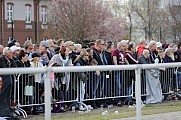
x=57 y=60
x=153 y=85
x=143 y=60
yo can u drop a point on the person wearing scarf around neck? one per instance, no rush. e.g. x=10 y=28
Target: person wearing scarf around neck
x=60 y=81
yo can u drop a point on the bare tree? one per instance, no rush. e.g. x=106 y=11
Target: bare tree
x=81 y=19
x=112 y=29
x=175 y=18
x=150 y=16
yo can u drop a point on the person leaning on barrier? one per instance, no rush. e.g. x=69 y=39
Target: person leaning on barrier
x=82 y=77
x=151 y=76
x=177 y=56
x=98 y=55
x=60 y=81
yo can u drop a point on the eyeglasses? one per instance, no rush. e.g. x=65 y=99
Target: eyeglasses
x=71 y=45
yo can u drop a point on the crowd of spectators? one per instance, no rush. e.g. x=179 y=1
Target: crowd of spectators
x=67 y=53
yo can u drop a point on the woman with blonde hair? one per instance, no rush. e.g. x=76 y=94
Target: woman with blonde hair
x=169 y=56
x=82 y=77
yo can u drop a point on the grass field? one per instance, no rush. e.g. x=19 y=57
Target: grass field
x=123 y=112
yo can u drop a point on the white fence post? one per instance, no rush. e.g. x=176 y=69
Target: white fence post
x=47 y=96
x=138 y=93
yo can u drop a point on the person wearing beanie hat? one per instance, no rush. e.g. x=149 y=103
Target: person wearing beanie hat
x=35 y=55
x=39 y=79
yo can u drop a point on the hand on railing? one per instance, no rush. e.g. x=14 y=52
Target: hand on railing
x=163 y=69
x=98 y=73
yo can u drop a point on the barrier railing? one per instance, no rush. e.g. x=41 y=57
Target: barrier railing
x=108 y=73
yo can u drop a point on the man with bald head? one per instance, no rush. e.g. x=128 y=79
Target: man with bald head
x=151 y=77
x=144 y=57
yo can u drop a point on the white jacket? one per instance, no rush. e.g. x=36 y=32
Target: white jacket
x=38 y=76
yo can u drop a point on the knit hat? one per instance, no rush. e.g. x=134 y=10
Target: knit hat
x=35 y=55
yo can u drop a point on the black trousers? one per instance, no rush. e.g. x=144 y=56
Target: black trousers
x=5 y=97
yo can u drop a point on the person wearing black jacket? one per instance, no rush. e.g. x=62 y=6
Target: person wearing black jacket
x=109 y=80
x=152 y=51
x=177 y=56
x=82 y=77
x=108 y=53
x=24 y=79
x=5 y=92
x=99 y=56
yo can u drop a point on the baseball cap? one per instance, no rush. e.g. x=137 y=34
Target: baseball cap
x=14 y=48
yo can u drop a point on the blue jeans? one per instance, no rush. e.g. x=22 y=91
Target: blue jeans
x=99 y=82
x=118 y=82
x=179 y=79
x=94 y=84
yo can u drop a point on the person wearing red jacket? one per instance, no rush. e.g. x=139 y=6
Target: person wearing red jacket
x=141 y=47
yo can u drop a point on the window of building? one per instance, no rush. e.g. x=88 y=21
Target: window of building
x=44 y=39
x=28 y=14
x=44 y=15
x=10 y=39
x=9 y=12
x=28 y=39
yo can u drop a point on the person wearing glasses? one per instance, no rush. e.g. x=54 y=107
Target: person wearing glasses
x=100 y=76
x=82 y=77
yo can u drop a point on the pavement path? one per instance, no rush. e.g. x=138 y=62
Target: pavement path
x=163 y=116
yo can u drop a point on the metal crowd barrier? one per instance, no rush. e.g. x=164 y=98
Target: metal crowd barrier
x=106 y=85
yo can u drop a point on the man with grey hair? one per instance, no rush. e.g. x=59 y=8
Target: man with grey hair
x=119 y=59
x=5 y=93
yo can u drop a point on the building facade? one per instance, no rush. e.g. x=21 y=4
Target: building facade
x=23 y=20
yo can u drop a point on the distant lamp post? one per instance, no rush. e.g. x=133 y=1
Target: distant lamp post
x=160 y=33
x=36 y=21
x=130 y=33
x=145 y=33
x=12 y=30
